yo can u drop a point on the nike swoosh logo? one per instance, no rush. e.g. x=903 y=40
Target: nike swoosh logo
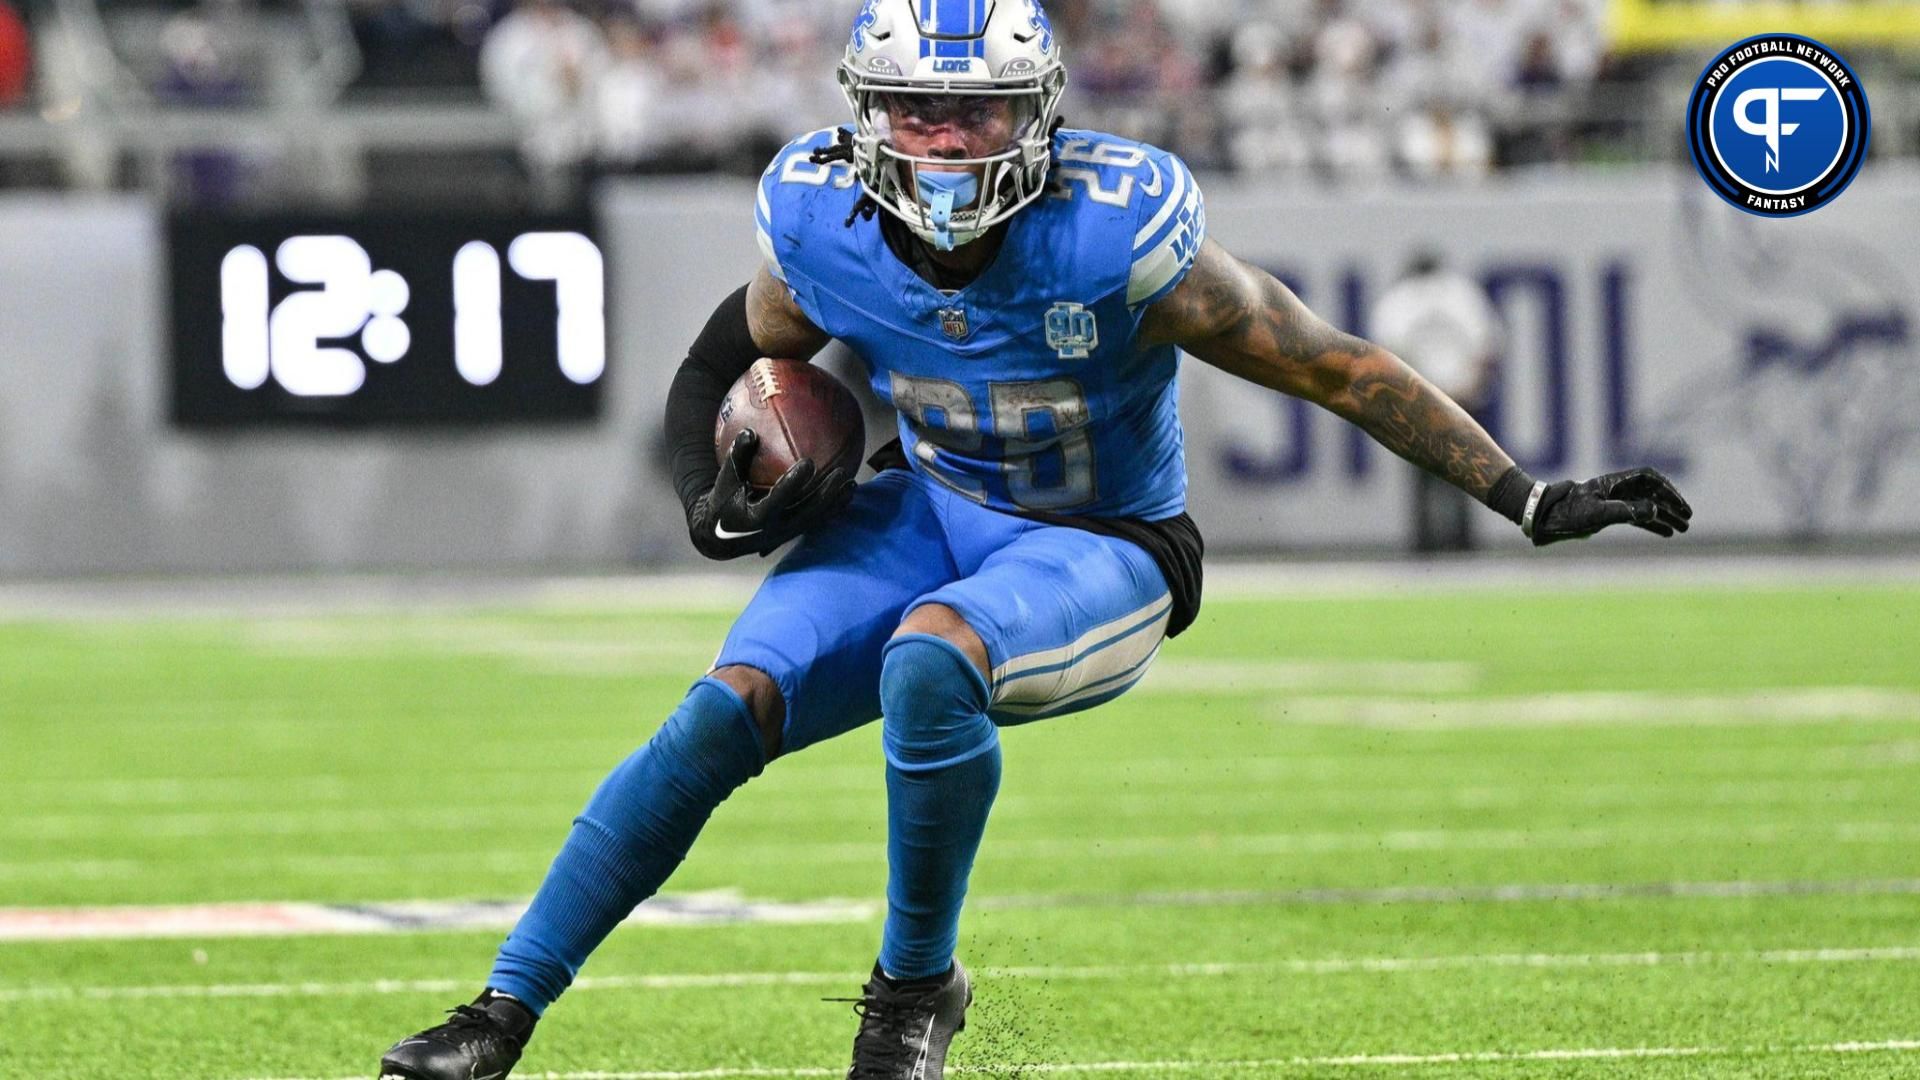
x=725 y=533
x=1152 y=190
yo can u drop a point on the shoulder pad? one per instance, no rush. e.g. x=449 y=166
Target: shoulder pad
x=795 y=192
x=1168 y=216
x=1173 y=222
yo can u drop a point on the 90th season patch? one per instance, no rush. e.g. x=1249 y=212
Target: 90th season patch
x=1778 y=125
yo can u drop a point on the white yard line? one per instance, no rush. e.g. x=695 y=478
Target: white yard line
x=534 y=649
x=1180 y=675
x=1576 y=838
x=710 y=590
x=729 y=907
x=1231 y=581
x=618 y=652
x=278 y=791
x=1458 y=1057
x=1528 y=893
x=1356 y=772
x=1221 y=795
x=285 y=919
x=1794 y=705
x=1352 y=965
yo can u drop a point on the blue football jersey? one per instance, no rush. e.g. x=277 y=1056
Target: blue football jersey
x=1026 y=390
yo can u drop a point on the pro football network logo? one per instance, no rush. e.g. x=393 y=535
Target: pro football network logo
x=1778 y=125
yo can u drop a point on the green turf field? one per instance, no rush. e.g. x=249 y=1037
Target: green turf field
x=1430 y=835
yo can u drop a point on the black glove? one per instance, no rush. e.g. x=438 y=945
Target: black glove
x=1641 y=497
x=728 y=522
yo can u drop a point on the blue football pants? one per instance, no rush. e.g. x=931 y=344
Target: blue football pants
x=1069 y=619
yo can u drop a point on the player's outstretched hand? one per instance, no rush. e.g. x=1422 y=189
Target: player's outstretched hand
x=1641 y=497
x=730 y=521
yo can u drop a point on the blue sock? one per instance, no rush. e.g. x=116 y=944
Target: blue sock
x=635 y=830
x=943 y=770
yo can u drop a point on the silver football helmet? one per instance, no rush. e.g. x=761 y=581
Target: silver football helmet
x=935 y=57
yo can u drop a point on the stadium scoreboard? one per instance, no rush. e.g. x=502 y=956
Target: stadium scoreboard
x=387 y=319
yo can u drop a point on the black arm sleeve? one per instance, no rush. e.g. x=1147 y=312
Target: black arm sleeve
x=720 y=355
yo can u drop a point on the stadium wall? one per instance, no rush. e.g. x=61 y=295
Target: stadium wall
x=1772 y=366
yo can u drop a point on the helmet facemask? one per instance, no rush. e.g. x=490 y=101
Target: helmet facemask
x=991 y=148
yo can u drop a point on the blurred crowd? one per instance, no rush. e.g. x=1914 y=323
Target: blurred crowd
x=1337 y=89
x=1346 y=89
x=662 y=86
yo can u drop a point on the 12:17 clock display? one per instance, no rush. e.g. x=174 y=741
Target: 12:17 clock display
x=385 y=320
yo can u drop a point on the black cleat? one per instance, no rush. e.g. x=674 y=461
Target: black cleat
x=480 y=1041
x=905 y=1029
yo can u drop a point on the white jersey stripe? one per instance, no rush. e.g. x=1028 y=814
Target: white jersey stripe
x=1152 y=272
x=1175 y=245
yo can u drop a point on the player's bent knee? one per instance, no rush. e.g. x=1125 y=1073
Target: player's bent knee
x=934 y=701
x=706 y=750
x=942 y=621
x=763 y=700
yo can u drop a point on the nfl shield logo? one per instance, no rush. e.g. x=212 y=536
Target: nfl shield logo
x=953 y=322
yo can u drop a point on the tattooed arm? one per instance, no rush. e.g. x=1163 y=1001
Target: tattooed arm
x=776 y=322
x=1240 y=319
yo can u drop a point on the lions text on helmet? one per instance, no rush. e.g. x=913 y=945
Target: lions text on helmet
x=953 y=106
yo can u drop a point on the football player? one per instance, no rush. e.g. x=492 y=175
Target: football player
x=1019 y=292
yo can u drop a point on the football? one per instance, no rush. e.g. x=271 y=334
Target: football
x=799 y=411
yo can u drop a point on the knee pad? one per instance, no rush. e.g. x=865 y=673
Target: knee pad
x=934 y=702
x=711 y=739
x=663 y=792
